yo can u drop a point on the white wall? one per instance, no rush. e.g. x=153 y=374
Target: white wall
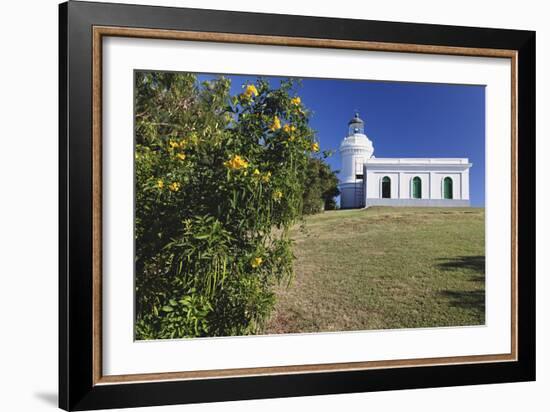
x=465 y=184
x=351 y=195
x=374 y=183
x=437 y=184
x=401 y=184
x=28 y=218
x=352 y=161
x=406 y=180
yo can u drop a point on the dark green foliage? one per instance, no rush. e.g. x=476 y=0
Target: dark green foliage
x=219 y=183
x=321 y=187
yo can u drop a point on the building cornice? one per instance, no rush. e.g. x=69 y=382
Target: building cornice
x=427 y=161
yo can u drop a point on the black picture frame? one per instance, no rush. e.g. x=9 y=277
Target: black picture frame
x=77 y=390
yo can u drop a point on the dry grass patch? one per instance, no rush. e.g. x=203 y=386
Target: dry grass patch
x=383 y=268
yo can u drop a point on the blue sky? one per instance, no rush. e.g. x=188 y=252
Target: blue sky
x=402 y=119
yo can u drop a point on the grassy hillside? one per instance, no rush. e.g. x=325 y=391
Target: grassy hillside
x=385 y=268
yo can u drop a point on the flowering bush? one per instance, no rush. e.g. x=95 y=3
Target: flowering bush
x=219 y=183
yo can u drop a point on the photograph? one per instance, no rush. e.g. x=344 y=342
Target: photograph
x=261 y=205
x=268 y=205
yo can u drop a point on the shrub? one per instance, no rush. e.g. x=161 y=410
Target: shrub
x=219 y=183
x=321 y=186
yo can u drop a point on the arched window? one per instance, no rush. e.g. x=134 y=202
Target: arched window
x=447 y=188
x=417 y=188
x=386 y=187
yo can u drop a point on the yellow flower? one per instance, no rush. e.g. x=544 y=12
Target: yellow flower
x=256 y=172
x=174 y=186
x=183 y=143
x=181 y=156
x=255 y=262
x=236 y=163
x=296 y=101
x=277 y=195
x=173 y=144
x=276 y=125
x=193 y=138
x=160 y=184
x=250 y=91
x=315 y=147
x=290 y=129
x=266 y=177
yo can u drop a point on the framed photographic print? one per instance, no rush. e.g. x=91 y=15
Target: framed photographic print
x=257 y=205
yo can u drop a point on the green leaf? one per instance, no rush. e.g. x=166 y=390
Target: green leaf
x=167 y=308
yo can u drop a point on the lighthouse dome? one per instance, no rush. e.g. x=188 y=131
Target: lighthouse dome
x=356 y=125
x=356 y=148
x=357 y=141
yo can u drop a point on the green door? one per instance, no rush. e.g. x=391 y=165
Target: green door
x=386 y=187
x=417 y=188
x=448 y=188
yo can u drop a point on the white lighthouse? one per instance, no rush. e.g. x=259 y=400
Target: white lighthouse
x=368 y=181
x=355 y=150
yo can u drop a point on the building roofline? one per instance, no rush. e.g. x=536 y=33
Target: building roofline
x=418 y=161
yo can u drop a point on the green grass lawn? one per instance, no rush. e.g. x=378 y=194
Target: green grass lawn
x=383 y=267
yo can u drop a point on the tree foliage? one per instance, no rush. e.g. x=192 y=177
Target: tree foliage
x=321 y=187
x=219 y=183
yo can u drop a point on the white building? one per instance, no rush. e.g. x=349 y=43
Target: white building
x=368 y=181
